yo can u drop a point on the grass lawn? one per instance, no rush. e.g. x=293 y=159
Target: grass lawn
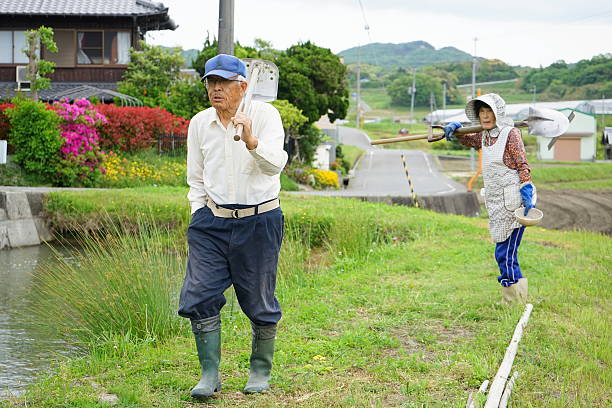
x=351 y=154
x=384 y=306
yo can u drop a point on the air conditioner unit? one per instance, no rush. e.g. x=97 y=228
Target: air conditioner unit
x=21 y=73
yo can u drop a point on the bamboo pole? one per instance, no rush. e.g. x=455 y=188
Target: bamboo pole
x=499 y=382
x=506 y=395
x=472 y=398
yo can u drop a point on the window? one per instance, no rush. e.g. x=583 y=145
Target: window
x=64 y=57
x=11 y=46
x=103 y=47
x=90 y=47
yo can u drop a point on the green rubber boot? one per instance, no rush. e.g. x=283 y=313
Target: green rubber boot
x=208 y=344
x=261 y=359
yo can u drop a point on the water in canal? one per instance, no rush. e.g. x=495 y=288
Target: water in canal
x=25 y=353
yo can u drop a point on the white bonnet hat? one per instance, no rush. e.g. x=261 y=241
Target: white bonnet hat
x=496 y=103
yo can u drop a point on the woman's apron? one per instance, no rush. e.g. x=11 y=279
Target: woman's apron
x=502 y=195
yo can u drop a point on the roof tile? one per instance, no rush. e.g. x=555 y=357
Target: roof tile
x=81 y=7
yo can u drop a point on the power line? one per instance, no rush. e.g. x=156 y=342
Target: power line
x=366 y=26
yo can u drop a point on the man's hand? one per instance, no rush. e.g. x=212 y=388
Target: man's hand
x=527 y=197
x=450 y=128
x=247 y=135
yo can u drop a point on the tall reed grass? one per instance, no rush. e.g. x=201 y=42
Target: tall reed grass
x=124 y=280
x=123 y=283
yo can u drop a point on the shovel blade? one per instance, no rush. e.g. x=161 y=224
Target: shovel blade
x=266 y=81
x=547 y=122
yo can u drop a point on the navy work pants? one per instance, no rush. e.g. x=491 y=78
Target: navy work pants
x=225 y=251
x=506 y=255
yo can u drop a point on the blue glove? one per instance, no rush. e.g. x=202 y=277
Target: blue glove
x=527 y=197
x=450 y=128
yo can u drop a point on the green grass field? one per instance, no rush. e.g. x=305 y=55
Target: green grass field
x=384 y=306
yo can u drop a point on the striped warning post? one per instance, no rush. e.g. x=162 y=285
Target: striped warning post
x=414 y=197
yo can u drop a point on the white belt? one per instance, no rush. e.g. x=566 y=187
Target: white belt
x=242 y=212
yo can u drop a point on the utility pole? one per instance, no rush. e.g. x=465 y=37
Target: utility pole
x=226 y=27
x=472 y=150
x=443 y=101
x=533 y=99
x=603 y=112
x=412 y=92
x=358 y=108
x=474 y=70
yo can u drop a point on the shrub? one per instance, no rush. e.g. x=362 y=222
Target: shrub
x=5 y=124
x=124 y=172
x=35 y=136
x=81 y=157
x=325 y=178
x=132 y=129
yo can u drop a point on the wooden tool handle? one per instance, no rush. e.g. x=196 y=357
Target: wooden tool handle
x=238 y=134
x=246 y=102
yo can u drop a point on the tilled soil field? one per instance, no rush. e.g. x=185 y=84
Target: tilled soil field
x=576 y=209
x=564 y=209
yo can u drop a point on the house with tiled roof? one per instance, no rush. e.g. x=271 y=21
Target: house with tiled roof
x=93 y=38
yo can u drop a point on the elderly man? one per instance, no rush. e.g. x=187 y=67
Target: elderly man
x=236 y=228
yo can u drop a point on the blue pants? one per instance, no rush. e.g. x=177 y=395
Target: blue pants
x=506 y=254
x=225 y=251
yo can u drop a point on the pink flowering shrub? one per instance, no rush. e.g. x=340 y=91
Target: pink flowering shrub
x=81 y=156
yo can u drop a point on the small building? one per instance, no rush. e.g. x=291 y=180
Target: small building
x=93 y=39
x=606 y=141
x=325 y=154
x=578 y=143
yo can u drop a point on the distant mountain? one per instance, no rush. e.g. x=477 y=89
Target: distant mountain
x=189 y=55
x=411 y=54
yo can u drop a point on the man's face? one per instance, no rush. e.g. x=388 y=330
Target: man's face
x=487 y=118
x=224 y=94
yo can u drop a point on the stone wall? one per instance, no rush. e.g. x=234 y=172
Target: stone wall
x=22 y=221
x=458 y=203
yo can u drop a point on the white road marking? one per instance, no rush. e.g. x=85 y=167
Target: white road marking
x=427 y=161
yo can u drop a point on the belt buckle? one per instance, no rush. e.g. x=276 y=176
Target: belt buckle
x=235 y=214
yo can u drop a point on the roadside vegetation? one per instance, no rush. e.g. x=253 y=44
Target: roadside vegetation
x=383 y=306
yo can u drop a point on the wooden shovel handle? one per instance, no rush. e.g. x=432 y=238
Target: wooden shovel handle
x=434 y=137
x=238 y=133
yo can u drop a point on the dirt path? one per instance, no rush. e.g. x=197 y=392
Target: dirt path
x=567 y=209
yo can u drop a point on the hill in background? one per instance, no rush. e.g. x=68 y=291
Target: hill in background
x=411 y=54
x=189 y=55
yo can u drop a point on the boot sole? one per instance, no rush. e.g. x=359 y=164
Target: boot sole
x=203 y=395
x=255 y=391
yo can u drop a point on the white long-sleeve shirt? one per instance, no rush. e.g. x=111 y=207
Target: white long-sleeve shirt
x=225 y=170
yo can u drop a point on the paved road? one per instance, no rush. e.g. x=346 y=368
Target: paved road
x=380 y=172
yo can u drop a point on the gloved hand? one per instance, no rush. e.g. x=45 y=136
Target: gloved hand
x=450 y=128
x=527 y=197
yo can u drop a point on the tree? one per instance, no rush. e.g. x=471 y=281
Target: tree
x=153 y=76
x=151 y=73
x=293 y=120
x=425 y=85
x=313 y=79
x=37 y=67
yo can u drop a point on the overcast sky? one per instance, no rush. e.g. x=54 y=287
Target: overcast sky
x=519 y=32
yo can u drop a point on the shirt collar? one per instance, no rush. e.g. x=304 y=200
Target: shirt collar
x=494 y=132
x=213 y=117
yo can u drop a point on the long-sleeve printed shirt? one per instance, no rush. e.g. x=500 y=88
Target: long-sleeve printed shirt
x=514 y=153
x=224 y=170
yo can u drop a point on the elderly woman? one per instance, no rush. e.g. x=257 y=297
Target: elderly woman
x=507 y=182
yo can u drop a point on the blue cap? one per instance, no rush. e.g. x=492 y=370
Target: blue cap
x=225 y=66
